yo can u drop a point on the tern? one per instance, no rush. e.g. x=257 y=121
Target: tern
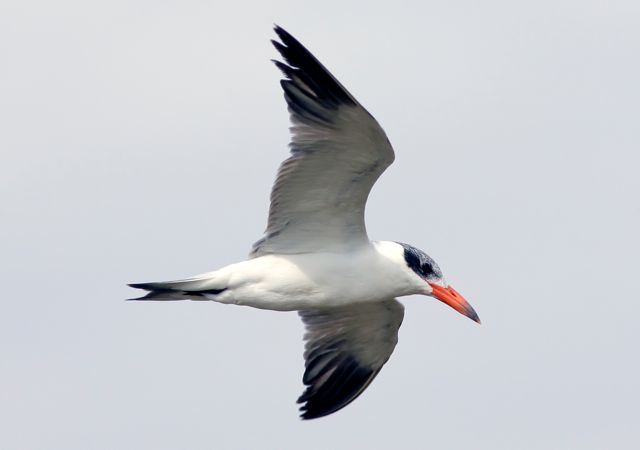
x=315 y=256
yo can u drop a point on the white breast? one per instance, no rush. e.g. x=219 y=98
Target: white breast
x=374 y=272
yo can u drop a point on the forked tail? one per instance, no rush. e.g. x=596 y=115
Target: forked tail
x=201 y=288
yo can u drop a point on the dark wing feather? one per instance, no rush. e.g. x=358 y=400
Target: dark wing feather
x=305 y=70
x=345 y=349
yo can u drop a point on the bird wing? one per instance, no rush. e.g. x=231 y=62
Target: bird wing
x=345 y=349
x=338 y=151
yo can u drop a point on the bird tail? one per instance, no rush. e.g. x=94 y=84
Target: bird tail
x=197 y=288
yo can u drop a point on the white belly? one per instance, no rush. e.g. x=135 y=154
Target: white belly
x=291 y=282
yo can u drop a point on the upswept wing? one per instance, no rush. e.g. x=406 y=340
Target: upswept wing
x=338 y=151
x=345 y=349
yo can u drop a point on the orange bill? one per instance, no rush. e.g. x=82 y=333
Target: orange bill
x=451 y=297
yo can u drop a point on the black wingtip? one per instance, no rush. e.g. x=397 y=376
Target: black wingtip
x=303 y=67
x=287 y=38
x=281 y=32
x=334 y=387
x=279 y=46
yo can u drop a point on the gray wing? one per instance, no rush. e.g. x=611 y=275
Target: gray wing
x=345 y=349
x=338 y=151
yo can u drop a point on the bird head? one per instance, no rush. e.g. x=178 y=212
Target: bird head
x=428 y=270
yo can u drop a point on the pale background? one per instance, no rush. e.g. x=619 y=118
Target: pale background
x=139 y=142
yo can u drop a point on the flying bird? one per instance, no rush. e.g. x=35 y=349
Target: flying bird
x=315 y=256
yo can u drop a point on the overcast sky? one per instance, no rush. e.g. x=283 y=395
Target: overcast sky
x=139 y=141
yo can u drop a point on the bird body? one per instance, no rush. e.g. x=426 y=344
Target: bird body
x=315 y=256
x=371 y=273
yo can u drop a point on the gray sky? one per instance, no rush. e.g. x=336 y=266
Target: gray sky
x=139 y=142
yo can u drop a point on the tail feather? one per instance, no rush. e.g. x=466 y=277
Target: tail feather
x=189 y=289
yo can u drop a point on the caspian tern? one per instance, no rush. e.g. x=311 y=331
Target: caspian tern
x=315 y=256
